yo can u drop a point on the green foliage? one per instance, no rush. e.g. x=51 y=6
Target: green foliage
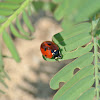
x=27 y=22
x=11 y=14
x=3 y=74
x=10 y=45
x=9 y=11
x=81 y=34
x=41 y=5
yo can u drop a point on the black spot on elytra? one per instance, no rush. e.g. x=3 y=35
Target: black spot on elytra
x=45 y=55
x=49 y=43
x=52 y=51
x=45 y=49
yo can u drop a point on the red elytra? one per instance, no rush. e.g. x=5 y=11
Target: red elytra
x=50 y=50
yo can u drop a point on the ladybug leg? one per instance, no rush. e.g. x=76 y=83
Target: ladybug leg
x=56 y=58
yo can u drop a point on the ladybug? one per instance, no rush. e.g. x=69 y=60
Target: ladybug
x=50 y=50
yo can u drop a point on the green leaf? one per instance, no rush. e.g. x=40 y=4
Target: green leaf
x=99 y=75
x=98 y=65
x=57 y=1
x=98 y=43
x=12 y=14
x=67 y=72
x=80 y=28
x=49 y=6
x=11 y=6
x=77 y=89
x=98 y=34
x=3 y=82
x=2 y=92
x=59 y=13
x=75 y=41
x=2 y=71
x=76 y=53
x=17 y=34
x=89 y=70
x=14 y=1
x=1 y=60
x=75 y=5
x=38 y=5
x=19 y=26
x=76 y=37
x=6 y=12
x=98 y=54
x=6 y=75
x=76 y=29
x=9 y=43
x=88 y=95
x=27 y=21
x=89 y=8
x=2 y=19
x=29 y=10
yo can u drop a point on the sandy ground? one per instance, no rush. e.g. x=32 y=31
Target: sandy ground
x=30 y=78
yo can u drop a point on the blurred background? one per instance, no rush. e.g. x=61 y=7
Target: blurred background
x=30 y=78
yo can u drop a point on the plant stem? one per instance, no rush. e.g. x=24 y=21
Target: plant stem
x=96 y=67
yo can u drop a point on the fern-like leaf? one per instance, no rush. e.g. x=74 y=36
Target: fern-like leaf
x=3 y=74
x=77 y=39
x=75 y=11
x=8 y=41
x=9 y=10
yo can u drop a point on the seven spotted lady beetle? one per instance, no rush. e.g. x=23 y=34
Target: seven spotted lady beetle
x=50 y=50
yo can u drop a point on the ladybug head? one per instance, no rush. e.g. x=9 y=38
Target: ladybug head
x=56 y=54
